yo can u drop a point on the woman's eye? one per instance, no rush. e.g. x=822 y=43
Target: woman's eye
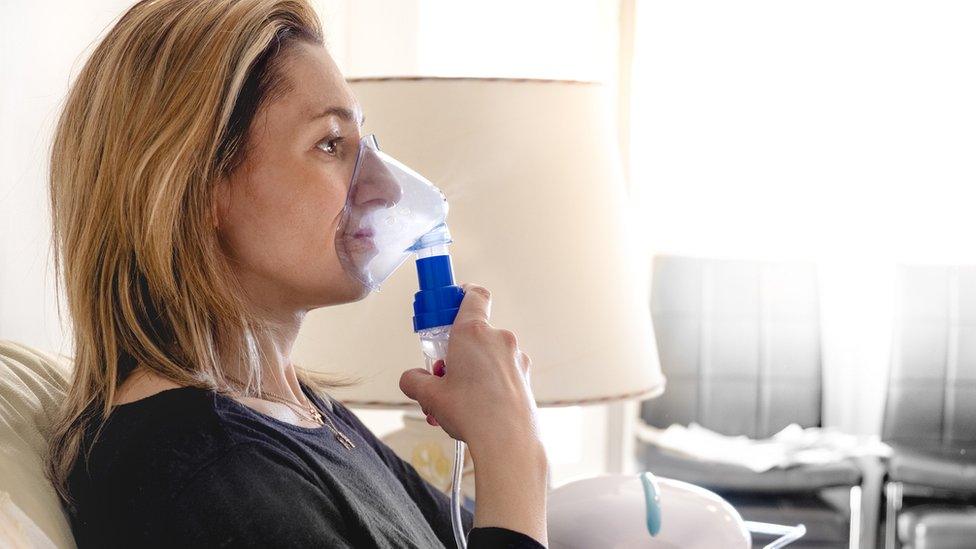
x=330 y=146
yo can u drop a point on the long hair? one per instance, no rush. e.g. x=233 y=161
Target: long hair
x=159 y=113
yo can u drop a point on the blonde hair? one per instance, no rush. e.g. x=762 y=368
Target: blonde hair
x=157 y=115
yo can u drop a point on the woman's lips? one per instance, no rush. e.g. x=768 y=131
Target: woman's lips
x=361 y=242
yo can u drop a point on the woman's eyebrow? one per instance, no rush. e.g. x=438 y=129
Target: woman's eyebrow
x=342 y=112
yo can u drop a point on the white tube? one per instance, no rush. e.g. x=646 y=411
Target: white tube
x=434 y=344
x=459 y=537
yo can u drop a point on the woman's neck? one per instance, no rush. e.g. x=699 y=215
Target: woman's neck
x=278 y=375
x=273 y=347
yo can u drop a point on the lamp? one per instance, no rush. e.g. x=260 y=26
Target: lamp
x=531 y=171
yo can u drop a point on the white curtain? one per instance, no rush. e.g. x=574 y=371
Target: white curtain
x=841 y=132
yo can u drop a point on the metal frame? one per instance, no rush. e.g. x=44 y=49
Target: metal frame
x=894 y=494
x=787 y=534
x=854 y=531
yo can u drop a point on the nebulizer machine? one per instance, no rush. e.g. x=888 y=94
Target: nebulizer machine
x=391 y=213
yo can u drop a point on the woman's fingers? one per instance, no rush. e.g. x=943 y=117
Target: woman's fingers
x=420 y=385
x=483 y=352
x=475 y=306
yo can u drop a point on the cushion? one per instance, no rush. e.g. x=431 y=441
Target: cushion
x=17 y=530
x=32 y=386
x=949 y=470
x=725 y=478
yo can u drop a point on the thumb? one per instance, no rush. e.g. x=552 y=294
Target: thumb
x=420 y=385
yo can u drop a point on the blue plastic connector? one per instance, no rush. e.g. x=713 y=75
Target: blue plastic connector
x=439 y=298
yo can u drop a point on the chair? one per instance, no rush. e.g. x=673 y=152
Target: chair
x=930 y=411
x=740 y=344
x=32 y=385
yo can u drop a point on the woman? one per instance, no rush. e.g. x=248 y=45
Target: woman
x=198 y=176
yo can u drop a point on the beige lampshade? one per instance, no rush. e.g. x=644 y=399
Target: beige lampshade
x=531 y=171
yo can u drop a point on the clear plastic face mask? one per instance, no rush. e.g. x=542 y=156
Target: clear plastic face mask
x=388 y=209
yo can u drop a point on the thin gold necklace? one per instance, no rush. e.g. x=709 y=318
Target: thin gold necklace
x=308 y=411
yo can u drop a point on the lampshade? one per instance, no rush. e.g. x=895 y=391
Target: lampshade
x=531 y=171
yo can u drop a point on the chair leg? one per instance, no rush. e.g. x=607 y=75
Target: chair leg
x=854 y=535
x=893 y=501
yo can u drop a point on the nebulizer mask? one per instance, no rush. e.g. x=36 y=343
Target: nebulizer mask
x=391 y=213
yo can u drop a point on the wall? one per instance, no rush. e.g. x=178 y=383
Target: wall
x=41 y=46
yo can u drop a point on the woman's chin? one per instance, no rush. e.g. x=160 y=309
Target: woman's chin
x=360 y=293
x=345 y=290
x=351 y=290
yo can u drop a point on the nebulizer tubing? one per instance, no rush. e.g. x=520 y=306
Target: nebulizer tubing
x=435 y=306
x=391 y=212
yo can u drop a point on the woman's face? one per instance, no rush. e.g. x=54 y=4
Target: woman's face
x=279 y=211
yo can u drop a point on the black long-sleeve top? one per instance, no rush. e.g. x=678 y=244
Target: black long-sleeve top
x=193 y=468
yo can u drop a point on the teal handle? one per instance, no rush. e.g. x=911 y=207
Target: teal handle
x=652 y=503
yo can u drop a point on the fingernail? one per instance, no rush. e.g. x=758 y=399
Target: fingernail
x=439 y=368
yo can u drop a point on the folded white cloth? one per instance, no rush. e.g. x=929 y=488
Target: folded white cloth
x=17 y=530
x=792 y=446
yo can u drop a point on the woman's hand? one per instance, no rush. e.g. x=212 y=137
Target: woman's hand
x=481 y=395
x=483 y=398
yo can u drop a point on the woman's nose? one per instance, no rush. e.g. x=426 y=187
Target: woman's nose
x=376 y=186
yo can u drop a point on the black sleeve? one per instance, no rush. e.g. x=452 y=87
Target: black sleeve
x=435 y=504
x=250 y=497
x=489 y=537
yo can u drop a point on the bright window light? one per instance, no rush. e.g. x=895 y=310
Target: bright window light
x=806 y=129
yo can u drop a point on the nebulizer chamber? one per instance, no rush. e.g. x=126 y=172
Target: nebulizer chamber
x=390 y=213
x=435 y=307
